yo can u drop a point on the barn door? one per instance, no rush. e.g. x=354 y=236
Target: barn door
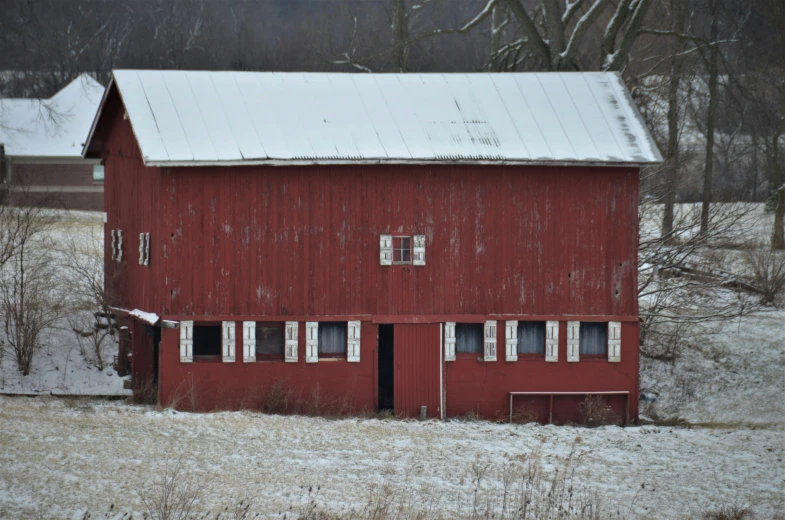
x=418 y=369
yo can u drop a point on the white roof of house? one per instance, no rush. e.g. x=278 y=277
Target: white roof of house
x=51 y=128
x=189 y=118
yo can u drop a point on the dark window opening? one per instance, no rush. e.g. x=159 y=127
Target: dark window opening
x=402 y=250
x=270 y=340
x=386 y=364
x=594 y=339
x=332 y=339
x=469 y=338
x=207 y=341
x=531 y=337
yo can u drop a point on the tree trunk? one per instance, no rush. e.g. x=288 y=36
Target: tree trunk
x=713 y=77
x=672 y=152
x=778 y=236
x=400 y=35
x=778 y=180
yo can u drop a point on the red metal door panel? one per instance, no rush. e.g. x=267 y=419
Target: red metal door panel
x=417 y=375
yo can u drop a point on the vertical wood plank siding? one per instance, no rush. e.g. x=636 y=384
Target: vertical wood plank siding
x=304 y=241
x=417 y=369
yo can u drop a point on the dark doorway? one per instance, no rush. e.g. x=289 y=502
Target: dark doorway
x=386 y=364
x=156 y=352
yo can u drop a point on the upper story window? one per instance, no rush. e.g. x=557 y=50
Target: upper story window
x=270 y=340
x=469 y=338
x=401 y=249
x=531 y=337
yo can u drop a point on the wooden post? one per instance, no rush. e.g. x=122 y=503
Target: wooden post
x=550 y=410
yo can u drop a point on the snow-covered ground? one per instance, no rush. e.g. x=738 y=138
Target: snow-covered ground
x=62 y=457
x=65 y=458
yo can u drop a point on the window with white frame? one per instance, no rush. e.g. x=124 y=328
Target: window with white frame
x=402 y=250
x=332 y=339
x=207 y=341
x=98 y=174
x=469 y=338
x=593 y=339
x=144 y=249
x=117 y=245
x=531 y=338
x=270 y=340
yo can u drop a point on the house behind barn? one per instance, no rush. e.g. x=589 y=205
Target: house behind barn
x=42 y=144
x=426 y=243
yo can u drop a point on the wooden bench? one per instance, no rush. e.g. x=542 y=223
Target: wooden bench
x=587 y=394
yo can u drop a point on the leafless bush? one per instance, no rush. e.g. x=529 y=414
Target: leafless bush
x=146 y=392
x=171 y=495
x=767 y=267
x=31 y=301
x=186 y=394
x=595 y=411
x=734 y=512
x=278 y=398
x=91 y=299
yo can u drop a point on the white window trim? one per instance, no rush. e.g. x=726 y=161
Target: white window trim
x=312 y=342
x=418 y=250
x=489 y=344
x=228 y=333
x=385 y=250
x=353 y=341
x=290 y=343
x=249 y=342
x=573 y=341
x=186 y=341
x=449 y=341
x=614 y=341
x=552 y=341
x=511 y=340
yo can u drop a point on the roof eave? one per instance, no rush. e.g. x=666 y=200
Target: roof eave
x=347 y=162
x=86 y=144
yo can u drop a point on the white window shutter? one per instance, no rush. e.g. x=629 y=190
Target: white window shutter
x=511 y=340
x=449 y=341
x=312 y=342
x=141 y=248
x=249 y=341
x=385 y=250
x=229 y=331
x=114 y=244
x=291 y=346
x=186 y=341
x=418 y=256
x=490 y=341
x=614 y=341
x=119 y=245
x=573 y=341
x=147 y=249
x=552 y=341
x=353 y=344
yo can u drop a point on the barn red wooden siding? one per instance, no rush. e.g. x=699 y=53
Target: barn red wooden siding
x=417 y=369
x=303 y=242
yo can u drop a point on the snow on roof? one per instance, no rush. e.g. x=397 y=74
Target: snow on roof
x=190 y=118
x=51 y=128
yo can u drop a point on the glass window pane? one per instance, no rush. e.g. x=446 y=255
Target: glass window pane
x=469 y=337
x=397 y=255
x=332 y=337
x=593 y=338
x=98 y=173
x=406 y=243
x=269 y=338
x=531 y=337
x=406 y=255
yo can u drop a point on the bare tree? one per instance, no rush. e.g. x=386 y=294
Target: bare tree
x=554 y=35
x=31 y=300
x=90 y=299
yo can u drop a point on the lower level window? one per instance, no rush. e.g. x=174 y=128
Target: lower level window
x=594 y=338
x=332 y=339
x=269 y=340
x=469 y=338
x=207 y=341
x=531 y=337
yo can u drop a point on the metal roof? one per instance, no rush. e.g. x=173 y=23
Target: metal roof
x=191 y=118
x=51 y=128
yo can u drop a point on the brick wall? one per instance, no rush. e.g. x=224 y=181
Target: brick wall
x=66 y=186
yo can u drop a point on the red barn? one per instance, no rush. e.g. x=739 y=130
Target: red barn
x=458 y=242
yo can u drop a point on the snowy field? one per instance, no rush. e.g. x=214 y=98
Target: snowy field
x=65 y=458
x=62 y=457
